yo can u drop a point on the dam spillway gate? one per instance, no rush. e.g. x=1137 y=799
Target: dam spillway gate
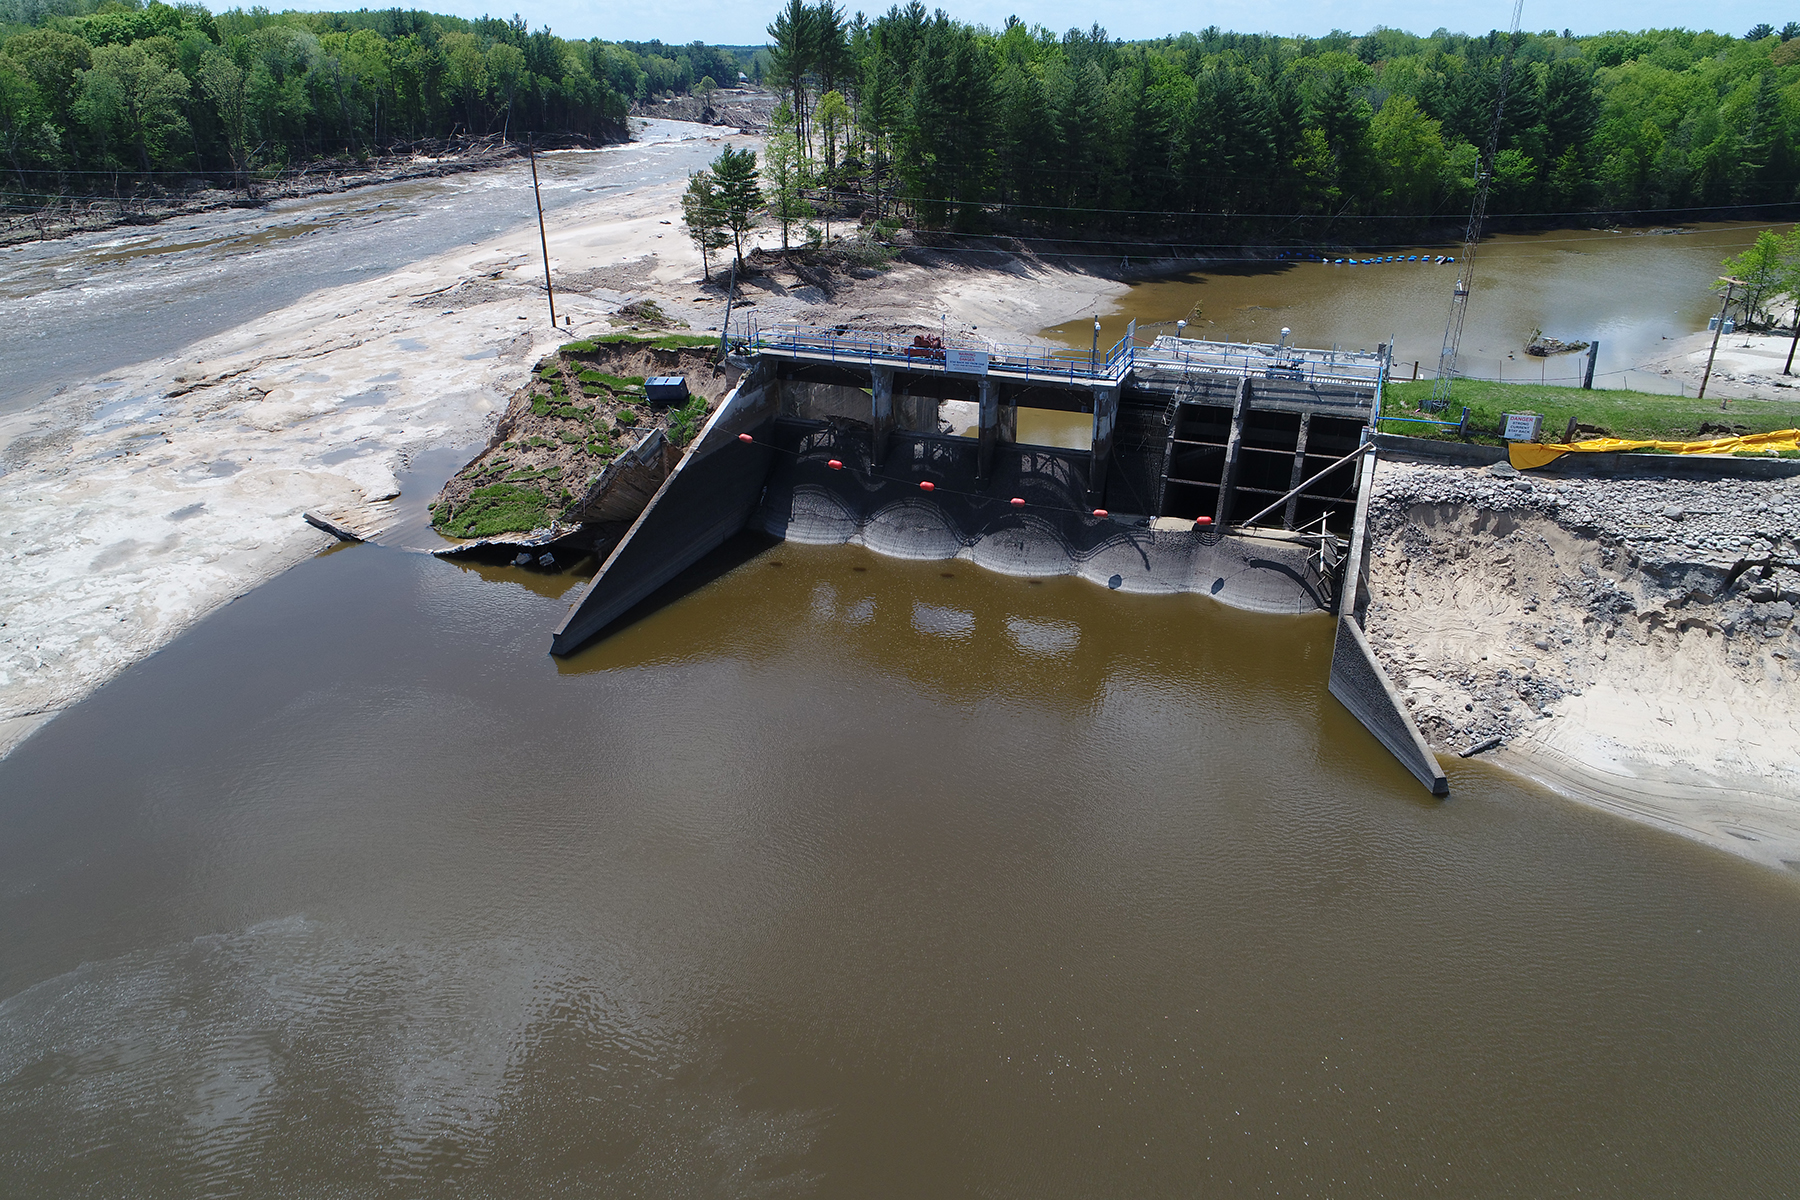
x=1238 y=471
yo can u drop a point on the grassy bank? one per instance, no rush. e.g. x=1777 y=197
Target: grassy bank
x=1621 y=414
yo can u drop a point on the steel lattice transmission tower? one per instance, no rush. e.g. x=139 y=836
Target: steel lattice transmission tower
x=1465 y=277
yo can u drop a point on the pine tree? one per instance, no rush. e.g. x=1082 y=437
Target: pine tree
x=734 y=177
x=704 y=216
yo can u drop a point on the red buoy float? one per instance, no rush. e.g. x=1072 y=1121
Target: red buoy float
x=1100 y=512
x=1202 y=522
x=835 y=465
x=746 y=438
x=926 y=485
x=1017 y=502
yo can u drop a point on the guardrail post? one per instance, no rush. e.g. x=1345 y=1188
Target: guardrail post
x=1240 y=412
x=881 y=399
x=1299 y=472
x=1106 y=415
x=988 y=427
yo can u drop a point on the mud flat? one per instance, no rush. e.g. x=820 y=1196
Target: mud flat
x=1630 y=639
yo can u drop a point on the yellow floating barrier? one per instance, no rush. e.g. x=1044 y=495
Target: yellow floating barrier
x=1526 y=455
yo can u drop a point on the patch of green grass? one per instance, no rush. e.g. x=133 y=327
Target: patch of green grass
x=666 y=341
x=627 y=417
x=1624 y=414
x=540 y=406
x=616 y=383
x=496 y=508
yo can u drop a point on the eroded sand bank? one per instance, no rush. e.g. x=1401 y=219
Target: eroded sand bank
x=1632 y=639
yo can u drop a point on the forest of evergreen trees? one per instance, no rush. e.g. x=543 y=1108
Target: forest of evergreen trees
x=100 y=87
x=1206 y=133
x=1200 y=131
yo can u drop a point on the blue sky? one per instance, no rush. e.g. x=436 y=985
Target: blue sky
x=743 y=23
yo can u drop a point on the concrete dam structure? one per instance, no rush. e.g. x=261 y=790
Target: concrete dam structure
x=1240 y=472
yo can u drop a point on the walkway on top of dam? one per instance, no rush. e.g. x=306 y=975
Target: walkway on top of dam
x=1348 y=378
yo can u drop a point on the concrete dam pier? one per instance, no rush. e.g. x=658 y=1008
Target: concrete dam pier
x=1240 y=472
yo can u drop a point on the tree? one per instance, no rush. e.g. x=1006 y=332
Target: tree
x=21 y=114
x=1761 y=269
x=785 y=173
x=704 y=216
x=793 y=47
x=833 y=120
x=128 y=96
x=223 y=83
x=1410 y=148
x=734 y=177
x=1787 y=285
x=1760 y=31
x=506 y=70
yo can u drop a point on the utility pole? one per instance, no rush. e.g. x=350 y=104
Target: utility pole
x=543 y=239
x=725 y=325
x=1789 y=368
x=1717 y=330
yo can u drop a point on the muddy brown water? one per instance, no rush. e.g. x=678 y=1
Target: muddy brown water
x=1633 y=289
x=841 y=876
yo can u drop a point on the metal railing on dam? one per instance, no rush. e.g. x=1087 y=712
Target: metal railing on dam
x=1355 y=369
x=1026 y=363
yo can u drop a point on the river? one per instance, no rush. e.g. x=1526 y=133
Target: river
x=834 y=876
x=1634 y=290
x=80 y=307
x=841 y=876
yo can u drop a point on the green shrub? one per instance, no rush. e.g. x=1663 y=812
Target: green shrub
x=686 y=421
x=563 y=435
x=627 y=417
x=540 y=406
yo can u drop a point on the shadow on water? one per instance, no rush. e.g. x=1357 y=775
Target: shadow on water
x=738 y=550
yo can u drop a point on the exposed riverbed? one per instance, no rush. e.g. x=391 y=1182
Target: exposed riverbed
x=842 y=876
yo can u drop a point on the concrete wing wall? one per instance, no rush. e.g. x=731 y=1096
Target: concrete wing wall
x=706 y=498
x=1360 y=684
